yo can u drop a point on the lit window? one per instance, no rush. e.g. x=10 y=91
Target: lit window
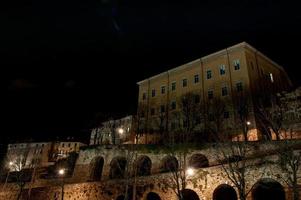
x=152 y=111
x=224 y=91
x=173 y=105
x=271 y=77
x=184 y=82
x=222 y=69
x=236 y=64
x=196 y=78
x=162 y=108
x=144 y=96
x=239 y=87
x=210 y=94
x=209 y=74
x=153 y=92
x=173 y=86
x=163 y=90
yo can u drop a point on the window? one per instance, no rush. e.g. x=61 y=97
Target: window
x=63 y=145
x=153 y=92
x=152 y=111
x=239 y=87
x=69 y=145
x=197 y=99
x=210 y=94
x=196 y=78
x=236 y=64
x=173 y=86
x=222 y=69
x=224 y=91
x=162 y=108
x=271 y=77
x=163 y=90
x=173 y=105
x=75 y=145
x=209 y=74
x=144 y=96
x=184 y=82
x=226 y=115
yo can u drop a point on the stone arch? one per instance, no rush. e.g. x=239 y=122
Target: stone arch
x=152 y=196
x=120 y=197
x=169 y=163
x=96 y=167
x=224 y=192
x=190 y=195
x=268 y=188
x=117 y=167
x=143 y=166
x=198 y=161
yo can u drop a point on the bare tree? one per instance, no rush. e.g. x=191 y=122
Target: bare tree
x=281 y=119
x=18 y=164
x=190 y=110
x=233 y=155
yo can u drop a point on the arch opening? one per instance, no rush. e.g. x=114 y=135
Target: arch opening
x=152 y=196
x=268 y=189
x=190 y=195
x=143 y=166
x=224 y=192
x=169 y=164
x=117 y=167
x=198 y=161
x=96 y=167
x=120 y=197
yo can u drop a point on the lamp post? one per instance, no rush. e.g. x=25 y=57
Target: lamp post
x=10 y=164
x=61 y=173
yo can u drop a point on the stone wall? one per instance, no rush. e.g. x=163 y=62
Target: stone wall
x=203 y=182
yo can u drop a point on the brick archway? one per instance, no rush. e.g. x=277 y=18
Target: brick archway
x=117 y=167
x=96 y=168
x=224 y=192
x=268 y=188
x=143 y=166
x=198 y=161
x=189 y=194
x=152 y=196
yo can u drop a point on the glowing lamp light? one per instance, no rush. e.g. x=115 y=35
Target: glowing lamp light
x=120 y=130
x=10 y=163
x=248 y=123
x=61 y=172
x=190 y=172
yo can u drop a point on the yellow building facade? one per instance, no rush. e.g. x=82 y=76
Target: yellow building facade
x=220 y=75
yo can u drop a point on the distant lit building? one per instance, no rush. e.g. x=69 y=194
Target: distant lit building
x=226 y=74
x=116 y=131
x=61 y=150
x=28 y=155
x=42 y=154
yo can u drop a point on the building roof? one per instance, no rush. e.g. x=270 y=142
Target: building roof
x=223 y=51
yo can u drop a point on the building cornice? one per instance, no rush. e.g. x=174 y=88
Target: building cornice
x=211 y=56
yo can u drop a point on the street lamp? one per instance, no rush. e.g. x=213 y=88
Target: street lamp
x=120 y=131
x=61 y=173
x=248 y=123
x=190 y=171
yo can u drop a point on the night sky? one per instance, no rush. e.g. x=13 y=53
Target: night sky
x=68 y=64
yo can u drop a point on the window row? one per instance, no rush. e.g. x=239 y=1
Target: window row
x=196 y=79
x=224 y=91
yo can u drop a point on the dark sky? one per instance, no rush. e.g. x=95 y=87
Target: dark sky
x=64 y=61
